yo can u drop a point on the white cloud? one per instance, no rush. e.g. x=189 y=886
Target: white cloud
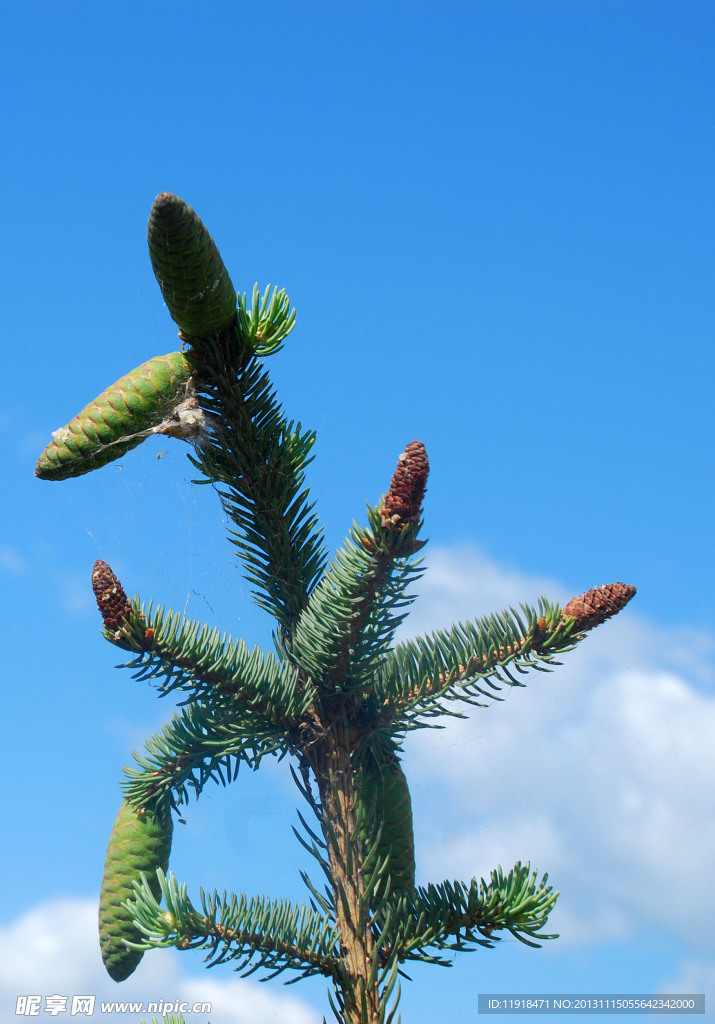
x=53 y=949
x=600 y=773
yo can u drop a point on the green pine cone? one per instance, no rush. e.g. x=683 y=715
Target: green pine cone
x=140 y=842
x=382 y=791
x=188 y=266
x=118 y=419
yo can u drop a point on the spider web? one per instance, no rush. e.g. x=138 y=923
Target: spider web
x=166 y=539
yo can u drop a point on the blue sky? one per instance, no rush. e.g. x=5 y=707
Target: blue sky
x=495 y=221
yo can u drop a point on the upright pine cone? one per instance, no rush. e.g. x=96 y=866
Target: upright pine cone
x=188 y=266
x=140 y=841
x=403 y=502
x=598 y=604
x=114 y=605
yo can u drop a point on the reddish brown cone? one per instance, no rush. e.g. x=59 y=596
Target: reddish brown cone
x=113 y=604
x=599 y=603
x=403 y=502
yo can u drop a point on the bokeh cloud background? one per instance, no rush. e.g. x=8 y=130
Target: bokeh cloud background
x=495 y=221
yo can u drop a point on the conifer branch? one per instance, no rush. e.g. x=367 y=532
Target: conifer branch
x=199 y=660
x=354 y=611
x=168 y=1018
x=197 y=745
x=253 y=455
x=257 y=460
x=351 y=617
x=258 y=933
x=470 y=661
x=473 y=660
x=268 y=322
x=204 y=664
x=458 y=917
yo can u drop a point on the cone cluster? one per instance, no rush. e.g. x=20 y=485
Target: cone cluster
x=403 y=502
x=114 y=605
x=599 y=603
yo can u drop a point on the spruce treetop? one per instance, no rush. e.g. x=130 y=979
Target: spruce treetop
x=336 y=695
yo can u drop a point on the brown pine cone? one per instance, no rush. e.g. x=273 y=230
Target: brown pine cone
x=403 y=502
x=598 y=604
x=114 y=605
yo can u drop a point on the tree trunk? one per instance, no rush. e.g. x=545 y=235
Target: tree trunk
x=330 y=759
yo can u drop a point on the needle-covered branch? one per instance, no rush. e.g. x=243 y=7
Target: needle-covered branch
x=201 y=663
x=468 y=662
x=254 y=456
x=267 y=322
x=458 y=917
x=167 y=1018
x=253 y=933
x=355 y=609
x=199 y=745
x=257 y=460
x=474 y=660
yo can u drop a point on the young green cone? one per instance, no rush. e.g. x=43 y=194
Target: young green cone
x=121 y=418
x=188 y=266
x=140 y=841
x=383 y=798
